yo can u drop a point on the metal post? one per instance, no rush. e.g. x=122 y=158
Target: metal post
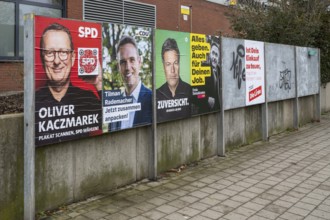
x=317 y=97
x=221 y=114
x=29 y=108
x=264 y=115
x=190 y=18
x=153 y=148
x=221 y=136
x=296 y=100
x=264 y=107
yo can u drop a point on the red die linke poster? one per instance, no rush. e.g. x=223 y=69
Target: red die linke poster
x=68 y=80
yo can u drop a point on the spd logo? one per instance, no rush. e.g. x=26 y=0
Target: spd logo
x=87 y=65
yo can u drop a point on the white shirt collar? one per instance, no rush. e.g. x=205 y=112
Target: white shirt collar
x=136 y=91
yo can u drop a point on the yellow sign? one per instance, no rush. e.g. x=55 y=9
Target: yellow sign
x=185 y=10
x=199 y=50
x=233 y=2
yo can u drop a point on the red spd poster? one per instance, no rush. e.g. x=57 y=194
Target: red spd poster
x=68 y=80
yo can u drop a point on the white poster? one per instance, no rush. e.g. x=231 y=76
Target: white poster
x=255 y=72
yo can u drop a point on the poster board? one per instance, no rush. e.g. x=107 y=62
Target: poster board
x=255 y=72
x=308 y=71
x=233 y=73
x=280 y=72
x=243 y=73
x=67 y=69
x=187 y=74
x=127 y=76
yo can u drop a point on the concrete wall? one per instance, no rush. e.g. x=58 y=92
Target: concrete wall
x=11 y=166
x=70 y=171
x=280 y=119
x=325 y=97
x=280 y=116
x=242 y=126
x=186 y=141
x=75 y=170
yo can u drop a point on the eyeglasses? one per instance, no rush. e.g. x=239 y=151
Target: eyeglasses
x=63 y=54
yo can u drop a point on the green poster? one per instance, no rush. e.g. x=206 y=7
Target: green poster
x=173 y=89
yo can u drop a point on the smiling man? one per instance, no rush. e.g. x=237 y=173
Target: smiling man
x=129 y=65
x=63 y=111
x=174 y=96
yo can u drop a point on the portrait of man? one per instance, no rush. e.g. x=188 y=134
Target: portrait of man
x=174 y=96
x=129 y=65
x=213 y=91
x=212 y=83
x=210 y=100
x=63 y=111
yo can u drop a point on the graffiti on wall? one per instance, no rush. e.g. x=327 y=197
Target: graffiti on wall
x=237 y=65
x=285 y=79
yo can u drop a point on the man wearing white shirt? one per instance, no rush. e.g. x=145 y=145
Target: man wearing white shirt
x=135 y=95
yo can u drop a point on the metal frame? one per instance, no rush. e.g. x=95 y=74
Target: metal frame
x=264 y=106
x=29 y=119
x=221 y=114
x=153 y=147
x=296 y=99
x=317 y=97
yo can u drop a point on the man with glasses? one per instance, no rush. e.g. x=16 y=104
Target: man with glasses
x=63 y=111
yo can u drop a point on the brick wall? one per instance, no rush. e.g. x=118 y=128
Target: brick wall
x=11 y=76
x=75 y=9
x=206 y=17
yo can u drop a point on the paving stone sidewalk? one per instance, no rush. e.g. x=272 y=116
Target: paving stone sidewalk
x=287 y=178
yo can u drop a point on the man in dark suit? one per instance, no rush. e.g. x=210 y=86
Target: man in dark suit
x=129 y=64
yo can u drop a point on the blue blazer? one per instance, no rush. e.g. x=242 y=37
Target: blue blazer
x=142 y=117
x=145 y=115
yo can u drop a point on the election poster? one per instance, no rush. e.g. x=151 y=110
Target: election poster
x=173 y=89
x=205 y=73
x=254 y=72
x=188 y=74
x=68 y=80
x=127 y=76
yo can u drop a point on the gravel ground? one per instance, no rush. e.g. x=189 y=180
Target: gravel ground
x=11 y=103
